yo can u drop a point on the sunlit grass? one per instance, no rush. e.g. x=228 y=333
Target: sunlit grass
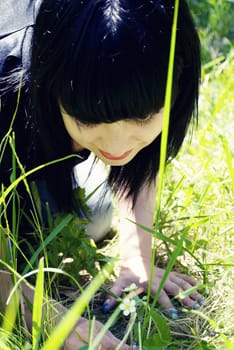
x=204 y=171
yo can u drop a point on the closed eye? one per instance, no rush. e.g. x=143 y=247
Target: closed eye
x=85 y=125
x=145 y=121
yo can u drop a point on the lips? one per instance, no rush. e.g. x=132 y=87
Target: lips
x=112 y=157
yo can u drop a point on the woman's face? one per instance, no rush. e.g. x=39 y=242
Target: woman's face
x=114 y=143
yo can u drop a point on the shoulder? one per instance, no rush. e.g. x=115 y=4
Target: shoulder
x=17 y=18
x=16 y=15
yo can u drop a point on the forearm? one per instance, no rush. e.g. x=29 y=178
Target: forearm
x=134 y=241
x=7 y=283
x=5 y=276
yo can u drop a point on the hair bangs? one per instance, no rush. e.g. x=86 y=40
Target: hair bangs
x=113 y=73
x=112 y=92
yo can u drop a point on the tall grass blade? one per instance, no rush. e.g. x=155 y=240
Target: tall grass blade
x=112 y=319
x=170 y=264
x=38 y=307
x=164 y=139
x=167 y=110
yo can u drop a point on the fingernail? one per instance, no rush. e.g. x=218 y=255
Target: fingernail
x=173 y=314
x=201 y=300
x=106 y=307
x=196 y=306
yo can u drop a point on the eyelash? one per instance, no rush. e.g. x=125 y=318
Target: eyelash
x=144 y=121
x=80 y=124
x=141 y=122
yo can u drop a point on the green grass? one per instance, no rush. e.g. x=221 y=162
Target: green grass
x=200 y=186
x=195 y=225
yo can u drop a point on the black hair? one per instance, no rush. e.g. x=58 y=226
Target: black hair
x=107 y=60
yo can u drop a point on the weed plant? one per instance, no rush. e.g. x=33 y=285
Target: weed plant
x=194 y=234
x=214 y=20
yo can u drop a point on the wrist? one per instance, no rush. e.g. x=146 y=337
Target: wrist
x=146 y=260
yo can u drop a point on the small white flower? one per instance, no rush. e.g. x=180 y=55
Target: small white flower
x=68 y=260
x=128 y=306
x=130 y=288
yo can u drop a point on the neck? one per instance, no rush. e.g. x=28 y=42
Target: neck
x=76 y=147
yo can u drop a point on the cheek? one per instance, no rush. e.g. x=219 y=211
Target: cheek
x=149 y=133
x=156 y=129
x=86 y=135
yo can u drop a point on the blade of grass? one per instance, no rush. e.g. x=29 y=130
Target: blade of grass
x=10 y=314
x=170 y=264
x=9 y=189
x=111 y=320
x=167 y=109
x=13 y=178
x=163 y=153
x=24 y=278
x=37 y=307
x=229 y=158
x=4 y=140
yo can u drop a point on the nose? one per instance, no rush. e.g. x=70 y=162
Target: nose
x=116 y=139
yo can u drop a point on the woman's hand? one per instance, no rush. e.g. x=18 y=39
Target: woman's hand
x=137 y=270
x=136 y=255
x=80 y=336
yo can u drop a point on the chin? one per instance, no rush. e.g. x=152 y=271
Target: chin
x=116 y=162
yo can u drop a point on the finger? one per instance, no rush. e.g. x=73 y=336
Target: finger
x=167 y=305
x=111 y=300
x=177 y=287
x=78 y=337
x=110 y=342
x=185 y=286
x=187 y=278
x=117 y=290
x=172 y=288
x=73 y=342
x=163 y=298
x=165 y=301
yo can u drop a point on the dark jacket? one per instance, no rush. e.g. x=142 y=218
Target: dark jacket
x=17 y=18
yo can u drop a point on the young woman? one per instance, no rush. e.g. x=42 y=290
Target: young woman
x=92 y=78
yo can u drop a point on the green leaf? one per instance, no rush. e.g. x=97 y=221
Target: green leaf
x=162 y=327
x=154 y=343
x=52 y=235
